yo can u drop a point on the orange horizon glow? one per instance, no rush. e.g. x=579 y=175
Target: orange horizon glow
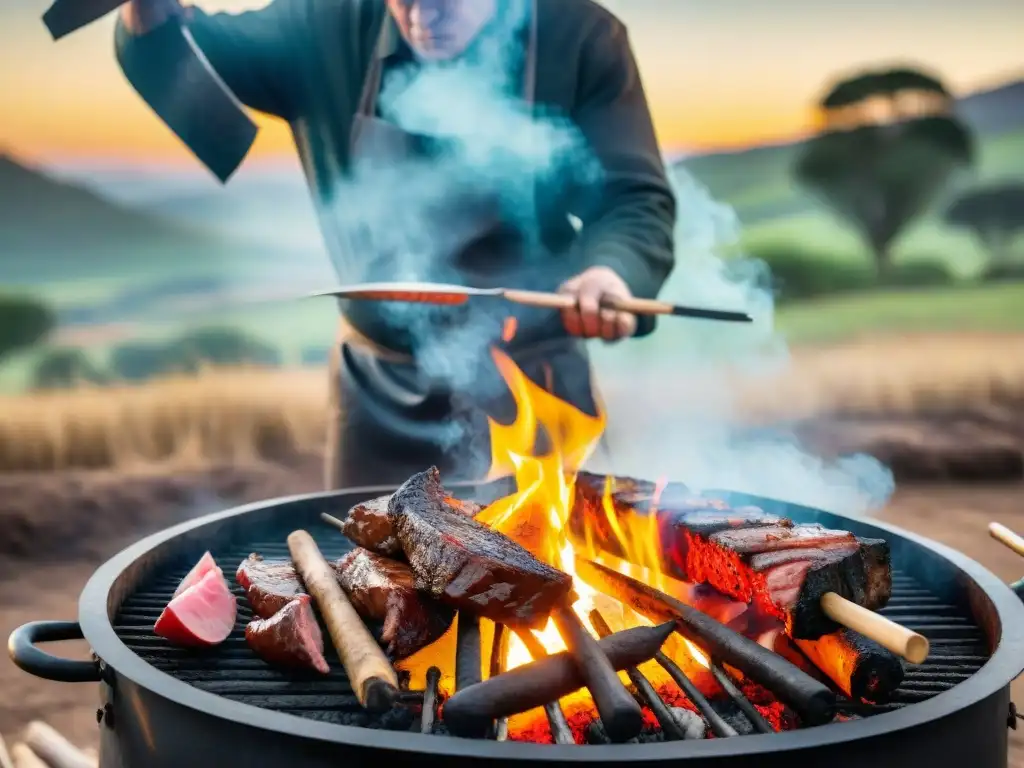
x=146 y=140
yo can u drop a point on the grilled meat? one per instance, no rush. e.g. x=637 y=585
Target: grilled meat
x=269 y=584
x=469 y=565
x=745 y=553
x=368 y=526
x=385 y=590
x=290 y=638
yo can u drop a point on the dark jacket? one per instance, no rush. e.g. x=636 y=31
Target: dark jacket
x=305 y=61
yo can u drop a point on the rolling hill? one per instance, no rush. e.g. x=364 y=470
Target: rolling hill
x=55 y=232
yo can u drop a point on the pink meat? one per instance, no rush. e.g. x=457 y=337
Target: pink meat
x=204 y=566
x=203 y=614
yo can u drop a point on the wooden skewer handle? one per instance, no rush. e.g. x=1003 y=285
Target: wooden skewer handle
x=564 y=301
x=888 y=634
x=372 y=677
x=1004 y=535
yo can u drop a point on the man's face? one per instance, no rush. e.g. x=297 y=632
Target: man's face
x=441 y=29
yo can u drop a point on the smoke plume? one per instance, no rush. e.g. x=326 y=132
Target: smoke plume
x=671 y=414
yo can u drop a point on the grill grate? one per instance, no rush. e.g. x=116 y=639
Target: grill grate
x=232 y=670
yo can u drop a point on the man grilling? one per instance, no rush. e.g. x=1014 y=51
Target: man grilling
x=331 y=69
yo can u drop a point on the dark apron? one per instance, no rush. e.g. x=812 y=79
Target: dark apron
x=389 y=417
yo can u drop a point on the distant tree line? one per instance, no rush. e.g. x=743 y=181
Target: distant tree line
x=140 y=361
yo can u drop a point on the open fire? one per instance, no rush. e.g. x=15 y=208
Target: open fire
x=543 y=449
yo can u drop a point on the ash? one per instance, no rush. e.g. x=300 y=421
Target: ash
x=691 y=722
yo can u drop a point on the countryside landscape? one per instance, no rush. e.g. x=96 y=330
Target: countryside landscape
x=158 y=359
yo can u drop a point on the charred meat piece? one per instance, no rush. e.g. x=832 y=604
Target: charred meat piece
x=747 y=554
x=290 y=638
x=269 y=584
x=385 y=590
x=368 y=526
x=468 y=565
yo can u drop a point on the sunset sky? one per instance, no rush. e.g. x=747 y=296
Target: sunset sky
x=719 y=73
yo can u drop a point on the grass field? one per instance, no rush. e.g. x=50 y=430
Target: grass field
x=236 y=415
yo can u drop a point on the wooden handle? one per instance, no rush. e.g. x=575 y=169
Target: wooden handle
x=888 y=634
x=53 y=748
x=370 y=673
x=565 y=301
x=332 y=521
x=540 y=299
x=1005 y=536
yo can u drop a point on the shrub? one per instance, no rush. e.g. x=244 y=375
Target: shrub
x=191 y=352
x=63 y=368
x=24 y=321
x=801 y=273
x=919 y=273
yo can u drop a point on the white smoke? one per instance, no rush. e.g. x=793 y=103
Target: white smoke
x=675 y=414
x=670 y=413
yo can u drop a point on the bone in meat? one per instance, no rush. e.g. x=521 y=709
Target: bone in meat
x=746 y=553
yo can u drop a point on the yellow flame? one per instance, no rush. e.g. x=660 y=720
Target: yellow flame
x=537 y=514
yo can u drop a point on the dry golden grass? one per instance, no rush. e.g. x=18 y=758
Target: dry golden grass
x=900 y=376
x=230 y=415
x=241 y=415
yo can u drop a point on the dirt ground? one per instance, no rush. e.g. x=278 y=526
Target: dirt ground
x=31 y=589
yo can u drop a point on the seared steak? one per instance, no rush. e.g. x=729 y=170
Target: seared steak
x=385 y=590
x=290 y=638
x=368 y=526
x=269 y=584
x=467 y=564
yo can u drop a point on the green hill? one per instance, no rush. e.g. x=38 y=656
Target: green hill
x=55 y=234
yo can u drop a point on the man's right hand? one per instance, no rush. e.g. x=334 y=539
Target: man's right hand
x=142 y=16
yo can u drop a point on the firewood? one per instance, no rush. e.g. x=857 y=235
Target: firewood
x=53 y=748
x=373 y=678
x=23 y=757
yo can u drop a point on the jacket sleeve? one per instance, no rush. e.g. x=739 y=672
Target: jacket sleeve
x=629 y=222
x=248 y=51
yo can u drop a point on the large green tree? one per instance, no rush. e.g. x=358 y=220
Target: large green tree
x=24 y=321
x=880 y=175
x=995 y=215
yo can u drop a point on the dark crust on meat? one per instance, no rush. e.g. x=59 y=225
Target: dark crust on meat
x=469 y=565
x=385 y=590
x=367 y=525
x=290 y=638
x=269 y=584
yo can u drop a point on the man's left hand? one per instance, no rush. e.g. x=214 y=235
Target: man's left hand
x=588 y=319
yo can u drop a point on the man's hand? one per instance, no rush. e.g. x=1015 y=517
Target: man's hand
x=588 y=319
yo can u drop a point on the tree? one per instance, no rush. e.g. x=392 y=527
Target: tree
x=879 y=176
x=64 y=368
x=995 y=215
x=24 y=321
